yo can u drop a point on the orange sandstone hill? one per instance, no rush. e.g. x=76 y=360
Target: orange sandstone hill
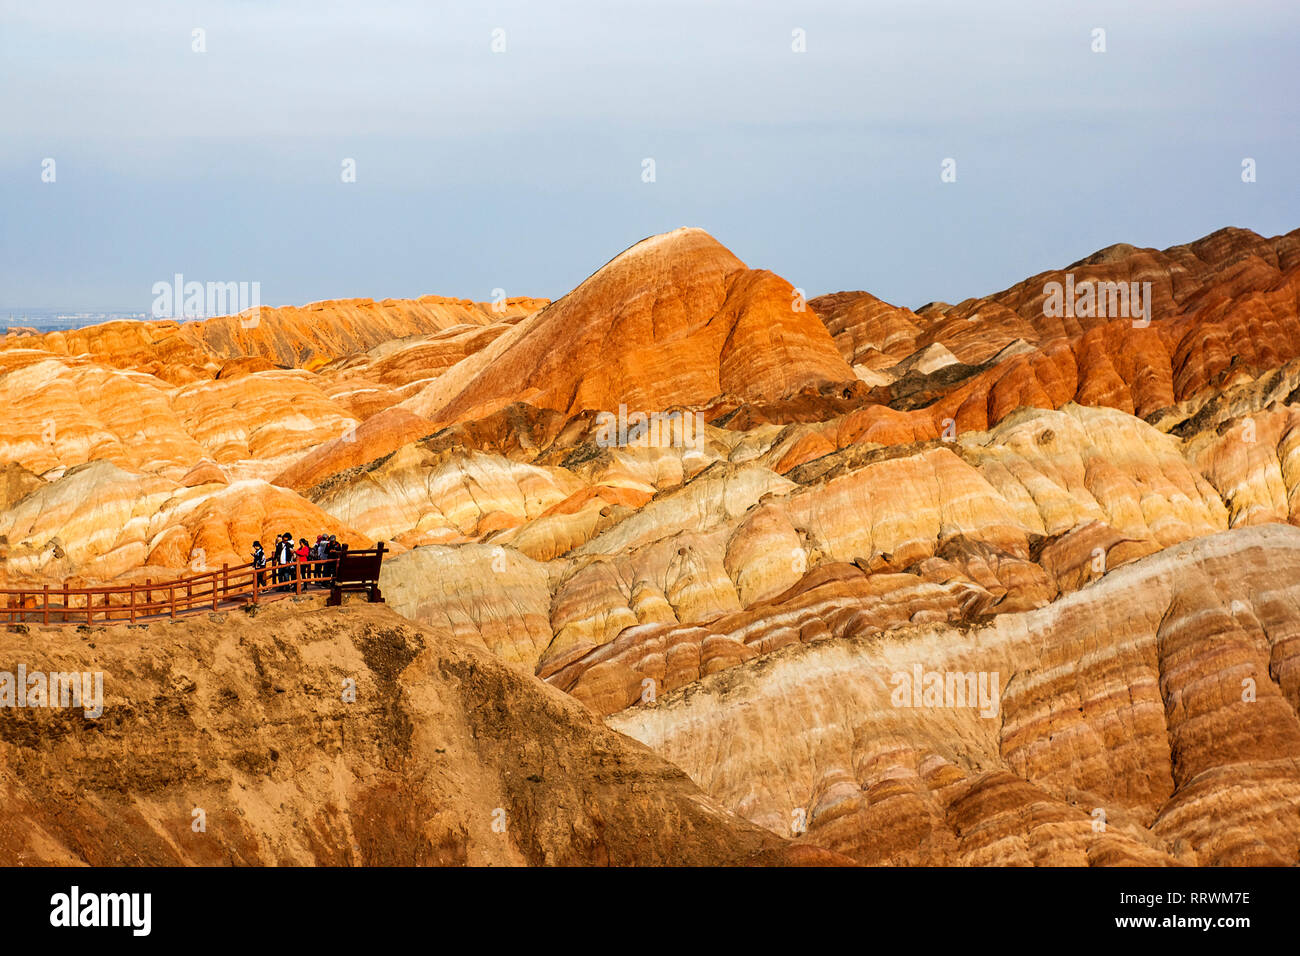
x=1222 y=310
x=674 y=320
x=1093 y=516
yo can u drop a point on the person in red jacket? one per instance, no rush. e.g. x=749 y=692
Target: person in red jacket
x=304 y=554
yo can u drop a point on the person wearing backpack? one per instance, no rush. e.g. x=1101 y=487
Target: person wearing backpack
x=318 y=554
x=284 y=557
x=259 y=564
x=332 y=550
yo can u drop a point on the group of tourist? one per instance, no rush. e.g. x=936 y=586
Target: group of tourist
x=288 y=563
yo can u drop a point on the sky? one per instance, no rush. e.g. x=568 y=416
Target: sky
x=523 y=168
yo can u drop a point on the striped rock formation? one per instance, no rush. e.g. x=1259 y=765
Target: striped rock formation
x=1151 y=717
x=725 y=520
x=98 y=522
x=674 y=320
x=292 y=336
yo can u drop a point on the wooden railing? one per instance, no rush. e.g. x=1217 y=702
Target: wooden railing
x=208 y=591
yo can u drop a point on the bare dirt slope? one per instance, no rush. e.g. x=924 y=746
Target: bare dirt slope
x=244 y=719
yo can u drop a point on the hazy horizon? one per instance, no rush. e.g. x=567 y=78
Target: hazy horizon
x=523 y=170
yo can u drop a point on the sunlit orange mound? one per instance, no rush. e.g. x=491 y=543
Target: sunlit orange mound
x=674 y=320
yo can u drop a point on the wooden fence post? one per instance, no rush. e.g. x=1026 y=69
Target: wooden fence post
x=46 y=606
x=133 y=602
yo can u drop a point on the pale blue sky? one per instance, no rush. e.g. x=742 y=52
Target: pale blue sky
x=522 y=170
